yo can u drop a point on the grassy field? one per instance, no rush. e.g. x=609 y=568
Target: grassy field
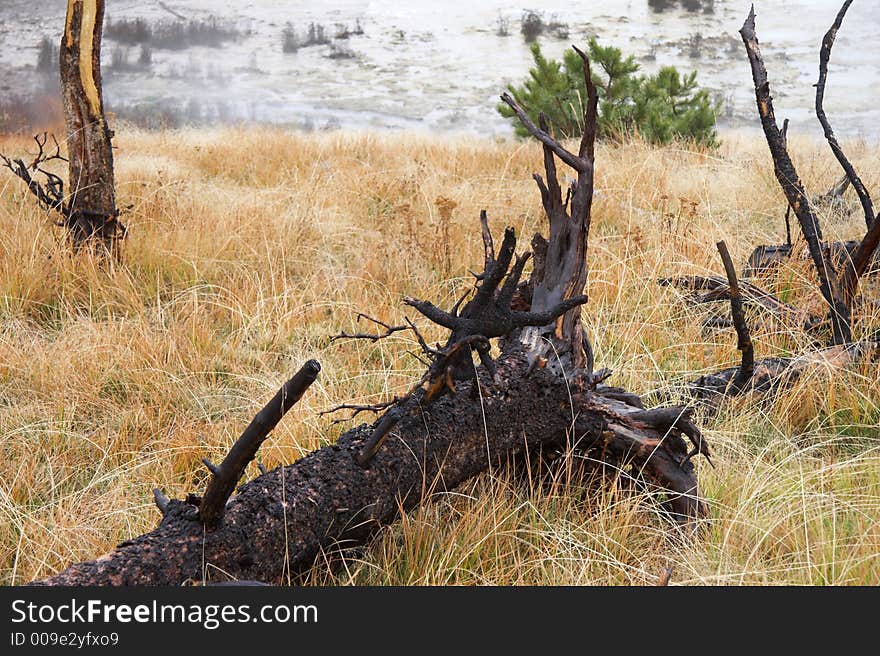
x=248 y=249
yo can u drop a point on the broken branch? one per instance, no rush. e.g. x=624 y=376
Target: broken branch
x=226 y=475
x=852 y=176
x=744 y=339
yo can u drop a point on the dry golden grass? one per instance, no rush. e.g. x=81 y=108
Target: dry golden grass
x=249 y=248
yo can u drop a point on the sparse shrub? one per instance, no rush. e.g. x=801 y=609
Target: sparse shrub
x=128 y=31
x=502 y=26
x=316 y=35
x=340 y=51
x=531 y=25
x=659 y=107
x=289 y=40
x=445 y=208
x=344 y=32
x=557 y=28
x=119 y=59
x=172 y=34
x=695 y=46
x=145 y=60
x=692 y=6
x=193 y=112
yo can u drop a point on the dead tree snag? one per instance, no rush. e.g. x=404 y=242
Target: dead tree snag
x=744 y=338
x=838 y=285
x=790 y=182
x=88 y=209
x=851 y=176
x=563 y=269
x=468 y=413
x=839 y=265
x=93 y=213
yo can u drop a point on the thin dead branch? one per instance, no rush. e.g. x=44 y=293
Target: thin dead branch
x=226 y=476
x=851 y=175
x=744 y=339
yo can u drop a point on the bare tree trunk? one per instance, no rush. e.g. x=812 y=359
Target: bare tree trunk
x=838 y=286
x=93 y=216
x=561 y=261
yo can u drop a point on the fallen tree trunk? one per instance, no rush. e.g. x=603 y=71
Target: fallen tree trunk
x=717 y=288
x=767 y=257
x=770 y=375
x=281 y=521
x=458 y=420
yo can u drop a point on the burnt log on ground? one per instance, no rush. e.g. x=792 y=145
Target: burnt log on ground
x=770 y=375
x=765 y=258
x=469 y=413
x=708 y=289
x=280 y=522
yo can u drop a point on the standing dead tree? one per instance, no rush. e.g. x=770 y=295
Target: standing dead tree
x=838 y=285
x=838 y=282
x=88 y=209
x=468 y=414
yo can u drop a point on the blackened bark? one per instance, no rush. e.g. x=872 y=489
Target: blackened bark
x=281 y=521
x=864 y=256
x=744 y=338
x=790 y=182
x=563 y=268
x=771 y=375
x=225 y=476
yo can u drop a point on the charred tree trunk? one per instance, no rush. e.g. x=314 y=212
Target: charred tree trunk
x=791 y=185
x=88 y=208
x=561 y=265
x=93 y=217
x=838 y=285
x=465 y=416
x=281 y=521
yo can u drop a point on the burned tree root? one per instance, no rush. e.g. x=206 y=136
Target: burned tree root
x=281 y=521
